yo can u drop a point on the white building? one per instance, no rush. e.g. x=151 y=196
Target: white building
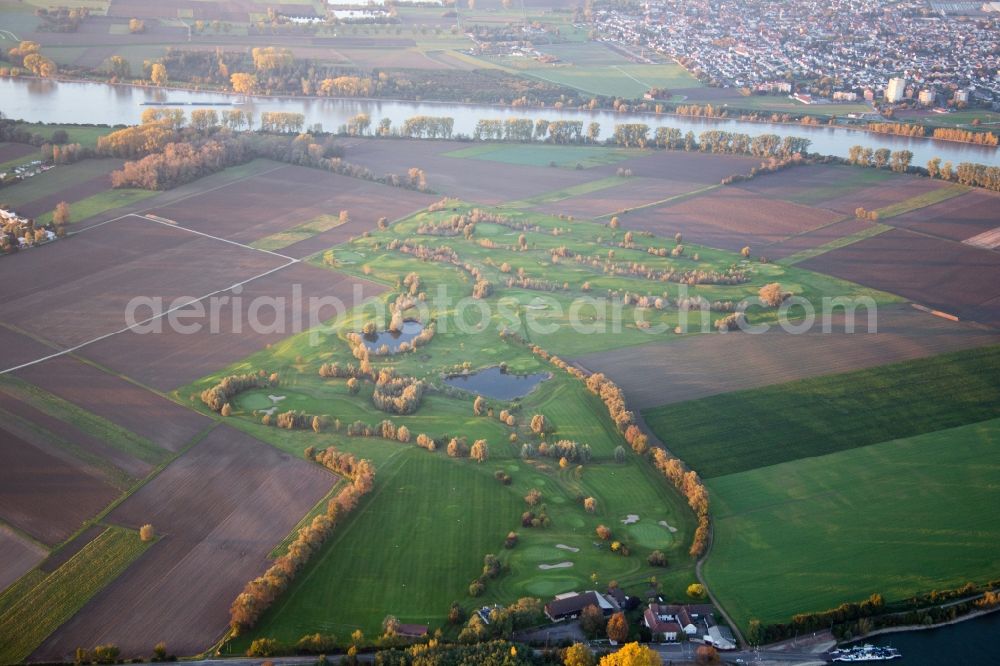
x=926 y=97
x=896 y=89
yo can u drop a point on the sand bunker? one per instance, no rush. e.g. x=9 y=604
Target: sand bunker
x=630 y=518
x=561 y=565
x=668 y=526
x=571 y=549
x=275 y=399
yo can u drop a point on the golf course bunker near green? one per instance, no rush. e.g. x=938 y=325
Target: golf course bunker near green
x=559 y=565
x=495 y=382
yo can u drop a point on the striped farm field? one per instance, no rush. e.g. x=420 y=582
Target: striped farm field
x=822 y=415
x=898 y=518
x=40 y=610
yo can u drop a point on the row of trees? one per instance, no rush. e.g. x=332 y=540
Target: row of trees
x=691 y=487
x=258 y=595
x=980 y=138
x=218 y=396
x=966 y=136
x=564 y=449
x=880 y=158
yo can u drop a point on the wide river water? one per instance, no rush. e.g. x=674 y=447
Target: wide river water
x=100 y=103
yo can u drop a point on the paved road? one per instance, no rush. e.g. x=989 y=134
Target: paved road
x=682 y=652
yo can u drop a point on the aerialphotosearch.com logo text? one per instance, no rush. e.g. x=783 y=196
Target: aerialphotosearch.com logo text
x=231 y=312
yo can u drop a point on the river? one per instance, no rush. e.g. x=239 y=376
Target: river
x=99 y=103
x=966 y=643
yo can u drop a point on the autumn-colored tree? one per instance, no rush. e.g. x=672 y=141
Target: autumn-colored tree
x=592 y=621
x=533 y=497
x=118 y=67
x=344 y=217
x=480 y=450
x=706 y=654
x=578 y=654
x=353 y=386
x=657 y=559
x=590 y=505
x=538 y=424
x=603 y=532
x=158 y=74
x=146 y=532
x=745 y=252
x=390 y=625
x=618 y=628
x=136 y=26
x=696 y=590
x=243 y=82
x=614 y=222
x=227 y=410
x=771 y=295
x=633 y=654
x=61 y=216
x=160 y=651
x=479 y=406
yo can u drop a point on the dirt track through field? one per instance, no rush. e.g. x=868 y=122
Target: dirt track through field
x=219 y=509
x=703 y=365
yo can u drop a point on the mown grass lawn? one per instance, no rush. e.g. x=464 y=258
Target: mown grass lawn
x=38 y=611
x=899 y=518
x=743 y=430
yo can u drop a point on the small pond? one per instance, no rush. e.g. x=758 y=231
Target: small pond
x=496 y=383
x=393 y=339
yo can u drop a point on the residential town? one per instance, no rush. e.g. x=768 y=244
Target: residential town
x=839 y=50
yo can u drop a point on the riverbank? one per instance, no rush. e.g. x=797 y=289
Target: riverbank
x=923 y=627
x=609 y=116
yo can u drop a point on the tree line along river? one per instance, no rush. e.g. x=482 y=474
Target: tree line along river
x=47 y=101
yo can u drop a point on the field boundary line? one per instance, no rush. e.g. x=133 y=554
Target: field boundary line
x=174 y=225
x=125 y=329
x=654 y=204
x=836 y=244
x=641 y=83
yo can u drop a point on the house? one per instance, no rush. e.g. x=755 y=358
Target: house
x=411 y=630
x=662 y=624
x=569 y=606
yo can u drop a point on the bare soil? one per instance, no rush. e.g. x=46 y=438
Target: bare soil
x=172 y=358
x=957 y=219
x=944 y=275
x=44 y=494
x=17 y=556
x=729 y=218
x=702 y=365
x=88 y=279
x=118 y=400
x=250 y=209
x=219 y=509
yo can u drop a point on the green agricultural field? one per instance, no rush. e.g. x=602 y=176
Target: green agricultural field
x=629 y=81
x=898 y=518
x=82 y=134
x=100 y=203
x=547 y=154
x=39 y=611
x=822 y=415
x=56 y=180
